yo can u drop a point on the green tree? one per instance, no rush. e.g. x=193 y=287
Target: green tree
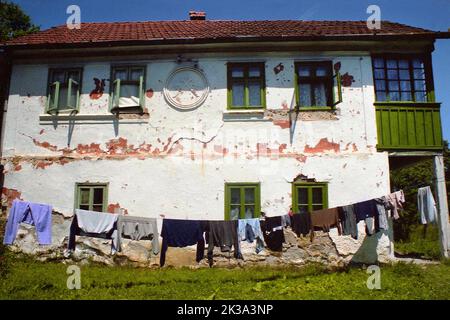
x=14 y=22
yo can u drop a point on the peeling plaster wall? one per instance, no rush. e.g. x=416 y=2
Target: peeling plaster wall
x=175 y=163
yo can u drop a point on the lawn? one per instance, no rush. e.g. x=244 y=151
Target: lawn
x=28 y=279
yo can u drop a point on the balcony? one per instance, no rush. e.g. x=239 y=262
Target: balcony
x=408 y=126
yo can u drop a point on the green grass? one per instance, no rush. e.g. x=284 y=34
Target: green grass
x=28 y=279
x=420 y=244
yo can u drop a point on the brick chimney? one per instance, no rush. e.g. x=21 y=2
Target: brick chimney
x=197 y=15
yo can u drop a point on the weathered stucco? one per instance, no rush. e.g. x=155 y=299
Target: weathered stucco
x=174 y=163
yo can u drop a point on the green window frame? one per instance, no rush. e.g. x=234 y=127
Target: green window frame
x=312 y=75
x=123 y=79
x=403 y=78
x=243 y=80
x=239 y=197
x=63 y=90
x=309 y=196
x=91 y=196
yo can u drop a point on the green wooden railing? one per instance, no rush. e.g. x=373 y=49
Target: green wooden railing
x=409 y=126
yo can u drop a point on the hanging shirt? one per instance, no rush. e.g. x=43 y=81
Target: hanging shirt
x=365 y=209
x=182 y=233
x=223 y=234
x=348 y=221
x=138 y=228
x=301 y=224
x=396 y=201
x=325 y=219
x=35 y=214
x=94 y=224
x=249 y=230
x=273 y=233
x=286 y=220
x=381 y=220
x=426 y=205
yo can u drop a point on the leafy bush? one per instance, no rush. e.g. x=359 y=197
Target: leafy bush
x=410 y=178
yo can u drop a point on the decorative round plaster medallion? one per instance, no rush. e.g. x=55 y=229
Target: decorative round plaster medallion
x=186 y=88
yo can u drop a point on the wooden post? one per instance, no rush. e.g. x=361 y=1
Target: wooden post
x=442 y=204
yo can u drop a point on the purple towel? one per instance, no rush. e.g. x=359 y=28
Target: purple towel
x=39 y=215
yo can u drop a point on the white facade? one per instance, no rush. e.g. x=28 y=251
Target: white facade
x=175 y=163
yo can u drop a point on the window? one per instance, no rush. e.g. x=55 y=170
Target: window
x=63 y=90
x=242 y=201
x=246 y=86
x=400 y=78
x=92 y=197
x=315 y=85
x=127 y=89
x=309 y=196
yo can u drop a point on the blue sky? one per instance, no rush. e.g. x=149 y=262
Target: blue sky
x=430 y=14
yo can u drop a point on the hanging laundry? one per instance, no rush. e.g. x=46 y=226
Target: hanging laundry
x=94 y=224
x=381 y=219
x=138 y=228
x=325 y=219
x=426 y=205
x=367 y=210
x=223 y=234
x=286 y=220
x=301 y=224
x=182 y=233
x=249 y=230
x=273 y=233
x=396 y=201
x=348 y=221
x=35 y=214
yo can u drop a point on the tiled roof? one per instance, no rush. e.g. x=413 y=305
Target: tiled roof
x=210 y=31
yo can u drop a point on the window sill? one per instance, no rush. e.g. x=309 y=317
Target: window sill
x=244 y=111
x=317 y=109
x=407 y=103
x=66 y=118
x=244 y=115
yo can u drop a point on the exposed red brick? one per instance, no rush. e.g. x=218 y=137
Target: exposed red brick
x=17 y=167
x=301 y=158
x=120 y=146
x=175 y=148
x=88 y=148
x=149 y=93
x=42 y=164
x=45 y=145
x=323 y=145
x=282 y=147
x=10 y=195
x=284 y=124
x=112 y=208
x=220 y=149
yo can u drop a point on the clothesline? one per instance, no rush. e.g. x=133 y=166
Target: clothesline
x=217 y=233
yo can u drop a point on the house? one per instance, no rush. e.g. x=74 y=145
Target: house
x=204 y=119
